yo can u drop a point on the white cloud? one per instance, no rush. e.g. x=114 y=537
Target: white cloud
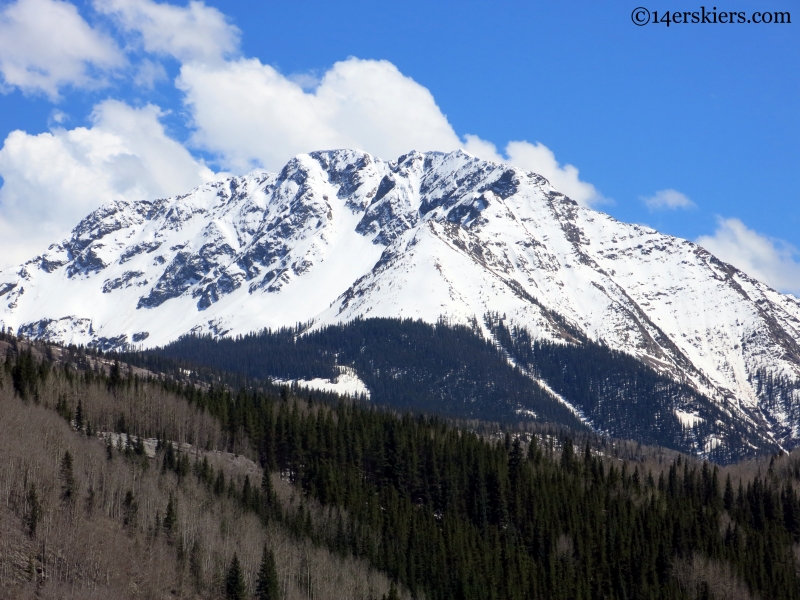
x=195 y=33
x=252 y=115
x=770 y=260
x=148 y=73
x=46 y=45
x=54 y=179
x=540 y=159
x=669 y=199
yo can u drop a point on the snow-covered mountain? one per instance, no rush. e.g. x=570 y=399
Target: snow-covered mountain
x=339 y=235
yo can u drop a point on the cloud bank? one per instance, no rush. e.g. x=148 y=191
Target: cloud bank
x=245 y=114
x=46 y=45
x=772 y=261
x=242 y=112
x=54 y=179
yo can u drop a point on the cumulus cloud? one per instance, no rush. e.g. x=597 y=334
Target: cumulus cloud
x=54 y=179
x=253 y=116
x=243 y=112
x=668 y=199
x=540 y=159
x=770 y=260
x=46 y=45
x=195 y=33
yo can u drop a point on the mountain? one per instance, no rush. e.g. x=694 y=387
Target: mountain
x=341 y=235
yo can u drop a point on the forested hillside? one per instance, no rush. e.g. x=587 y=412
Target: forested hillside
x=115 y=487
x=442 y=512
x=453 y=371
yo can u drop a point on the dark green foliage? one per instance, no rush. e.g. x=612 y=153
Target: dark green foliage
x=219 y=483
x=62 y=408
x=393 y=593
x=26 y=373
x=169 y=462
x=170 y=516
x=130 y=508
x=452 y=371
x=115 y=376
x=67 y=478
x=623 y=396
x=448 y=514
x=453 y=516
x=79 y=416
x=267 y=587
x=406 y=364
x=234 y=581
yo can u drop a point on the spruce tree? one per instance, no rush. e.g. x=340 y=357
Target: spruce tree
x=393 y=593
x=170 y=516
x=115 y=377
x=79 y=416
x=34 y=512
x=267 y=583
x=67 y=478
x=234 y=581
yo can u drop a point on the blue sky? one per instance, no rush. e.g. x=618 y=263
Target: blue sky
x=692 y=129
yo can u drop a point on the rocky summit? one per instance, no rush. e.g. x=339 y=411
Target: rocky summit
x=341 y=235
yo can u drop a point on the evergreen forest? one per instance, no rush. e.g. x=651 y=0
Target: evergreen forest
x=239 y=492
x=454 y=371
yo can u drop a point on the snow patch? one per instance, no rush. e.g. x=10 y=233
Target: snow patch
x=688 y=419
x=347 y=382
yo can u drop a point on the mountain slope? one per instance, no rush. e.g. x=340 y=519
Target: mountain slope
x=339 y=235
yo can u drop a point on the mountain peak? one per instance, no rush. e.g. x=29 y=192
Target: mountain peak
x=340 y=234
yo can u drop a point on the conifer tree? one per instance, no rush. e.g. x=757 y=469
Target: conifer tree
x=267 y=587
x=247 y=492
x=115 y=377
x=130 y=508
x=79 y=416
x=67 y=478
x=234 y=581
x=169 y=462
x=170 y=516
x=393 y=593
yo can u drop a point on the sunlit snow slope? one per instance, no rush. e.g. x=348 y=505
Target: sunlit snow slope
x=341 y=234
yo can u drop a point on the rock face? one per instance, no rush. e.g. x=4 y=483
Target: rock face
x=340 y=235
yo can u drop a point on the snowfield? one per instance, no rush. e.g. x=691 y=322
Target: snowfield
x=340 y=235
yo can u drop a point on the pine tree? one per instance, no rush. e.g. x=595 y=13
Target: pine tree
x=170 y=516
x=130 y=508
x=115 y=377
x=79 y=416
x=728 y=498
x=234 y=581
x=393 y=593
x=267 y=587
x=267 y=499
x=247 y=492
x=169 y=461
x=67 y=478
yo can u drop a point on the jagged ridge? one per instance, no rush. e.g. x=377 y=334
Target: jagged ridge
x=339 y=235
